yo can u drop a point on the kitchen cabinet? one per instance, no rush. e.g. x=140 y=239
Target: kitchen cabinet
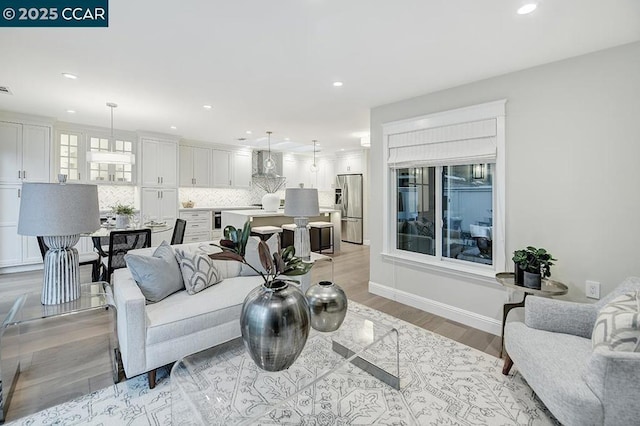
x=220 y=168
x=326 y=174
x=14 y=249
x=230 y=168
x=195 y=163
x=159 y=165
x=290 y=170
x=105 y=173
x=160 y=205
x=241 y=169
x=350 y=162
x=24 y=153
x=198 y=225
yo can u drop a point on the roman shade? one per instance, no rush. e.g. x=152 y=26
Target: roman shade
x=464 y=143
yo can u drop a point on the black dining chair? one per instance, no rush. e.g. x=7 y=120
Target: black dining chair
x=120 y=243
x=178 y=231
x=92 y=259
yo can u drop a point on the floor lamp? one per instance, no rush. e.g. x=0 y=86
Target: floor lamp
x=301 y=203
x=59 y=213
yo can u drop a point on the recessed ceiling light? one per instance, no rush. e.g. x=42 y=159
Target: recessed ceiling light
x=69 y=75
x=70 y=111
x=341 y=149
x=173 y=127
x=207 y=106
x=287 y=139
x=248 y=132
x=527 y=8
x=337 y=83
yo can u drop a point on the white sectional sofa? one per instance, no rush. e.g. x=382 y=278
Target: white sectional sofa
x=157 y=334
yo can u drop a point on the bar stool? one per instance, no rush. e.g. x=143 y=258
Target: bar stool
x=265 y=232
x=287 y=234
x=322 y=228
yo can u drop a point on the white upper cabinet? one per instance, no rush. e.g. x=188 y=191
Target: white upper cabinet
x=195 y=163
x=24 y=153
x=291 y=171
x=220 y=168
x=326 y=174
x=350 y=162
x=241 y=169
x=159 y=163
x=121 y=174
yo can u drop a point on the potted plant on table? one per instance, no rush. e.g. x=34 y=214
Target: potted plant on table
x=275 y=316
x=123 y=213
x=536 y=264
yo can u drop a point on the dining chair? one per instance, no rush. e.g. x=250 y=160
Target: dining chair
x=120 y=243
x=178 y=231
x=92 y=259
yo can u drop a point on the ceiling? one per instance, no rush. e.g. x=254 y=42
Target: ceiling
x=269 y=65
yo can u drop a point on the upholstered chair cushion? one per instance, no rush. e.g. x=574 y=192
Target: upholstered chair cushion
x=198 y=270
x=253 y=258
x=617 y=325
x=158 y=276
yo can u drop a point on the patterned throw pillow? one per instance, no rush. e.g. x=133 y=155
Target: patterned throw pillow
x=617 y=324
x=198 y=271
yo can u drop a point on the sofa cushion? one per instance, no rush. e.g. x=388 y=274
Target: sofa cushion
x=617 y=325
x=553 y=364
x=181 y=314
x=158 y=275
x=198 y=270
x=252 y=257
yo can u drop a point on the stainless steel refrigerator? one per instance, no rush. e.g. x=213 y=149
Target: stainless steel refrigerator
x=349 y=202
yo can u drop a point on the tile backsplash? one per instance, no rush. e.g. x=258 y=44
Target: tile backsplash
x=110 y=195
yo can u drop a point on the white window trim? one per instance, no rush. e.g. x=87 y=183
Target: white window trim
x=496 y=110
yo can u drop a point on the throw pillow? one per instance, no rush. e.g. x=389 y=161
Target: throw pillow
x=617 y=324
x=252 y=257
x=227 y=268
x=158 y=276
x=198 y=270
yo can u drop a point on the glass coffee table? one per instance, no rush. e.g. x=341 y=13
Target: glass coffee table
x=223 y=386
x=28 y=312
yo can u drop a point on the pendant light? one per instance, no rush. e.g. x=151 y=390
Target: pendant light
x=111 y=157
x=269 y=163
x=314 y=166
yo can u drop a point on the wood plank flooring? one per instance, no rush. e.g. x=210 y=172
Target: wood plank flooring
x=70 y=358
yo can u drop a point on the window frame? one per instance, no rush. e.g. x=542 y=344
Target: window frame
x=491 y=110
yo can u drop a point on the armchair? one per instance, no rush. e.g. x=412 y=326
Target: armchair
x=549 y=341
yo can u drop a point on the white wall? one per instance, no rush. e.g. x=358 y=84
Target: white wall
x=573 y=179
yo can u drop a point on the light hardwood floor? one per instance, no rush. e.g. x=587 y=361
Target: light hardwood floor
x=68 y=357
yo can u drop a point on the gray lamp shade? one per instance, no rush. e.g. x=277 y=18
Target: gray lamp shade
x=301 y=202
x=52 y=209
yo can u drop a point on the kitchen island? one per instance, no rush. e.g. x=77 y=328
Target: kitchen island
x=260 y=217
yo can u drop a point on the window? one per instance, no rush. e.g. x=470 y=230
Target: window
x=445 y=180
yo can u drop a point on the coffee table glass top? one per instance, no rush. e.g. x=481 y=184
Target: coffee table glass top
x=222 y=385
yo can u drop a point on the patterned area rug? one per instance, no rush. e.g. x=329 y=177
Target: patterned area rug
x=442 y=383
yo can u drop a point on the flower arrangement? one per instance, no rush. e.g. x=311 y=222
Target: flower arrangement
x=283 y=263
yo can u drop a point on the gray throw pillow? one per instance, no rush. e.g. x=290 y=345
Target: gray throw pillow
x=253 y=258
x=158 y=276
x=198 y=270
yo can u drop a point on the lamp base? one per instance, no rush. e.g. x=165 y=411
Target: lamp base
x=61 y=270
x=301 y=238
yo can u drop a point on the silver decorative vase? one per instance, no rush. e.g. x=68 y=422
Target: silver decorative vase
x=275 y=325
x=327 y=305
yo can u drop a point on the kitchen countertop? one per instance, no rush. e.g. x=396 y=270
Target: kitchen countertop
x=186 y=209
x=263 y=213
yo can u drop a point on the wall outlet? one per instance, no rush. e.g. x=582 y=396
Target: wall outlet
x=592 y=289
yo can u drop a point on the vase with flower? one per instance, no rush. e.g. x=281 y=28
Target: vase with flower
x=275 y=318
x=271 y=184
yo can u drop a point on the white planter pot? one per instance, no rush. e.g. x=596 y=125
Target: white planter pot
x=122 y=221
x=271 y=202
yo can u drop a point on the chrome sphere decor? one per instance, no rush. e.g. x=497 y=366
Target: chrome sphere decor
x=327 y=305
x=275 y=325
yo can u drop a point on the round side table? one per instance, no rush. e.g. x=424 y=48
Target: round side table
x=549 y=288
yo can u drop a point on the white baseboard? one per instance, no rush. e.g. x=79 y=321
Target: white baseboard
x=366 y=242
x=481 y=322
x=20 y=268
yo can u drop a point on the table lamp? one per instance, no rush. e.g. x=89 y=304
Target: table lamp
x=59 y=213
x=301 y=203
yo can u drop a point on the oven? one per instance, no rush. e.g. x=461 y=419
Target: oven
x=217 y=220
